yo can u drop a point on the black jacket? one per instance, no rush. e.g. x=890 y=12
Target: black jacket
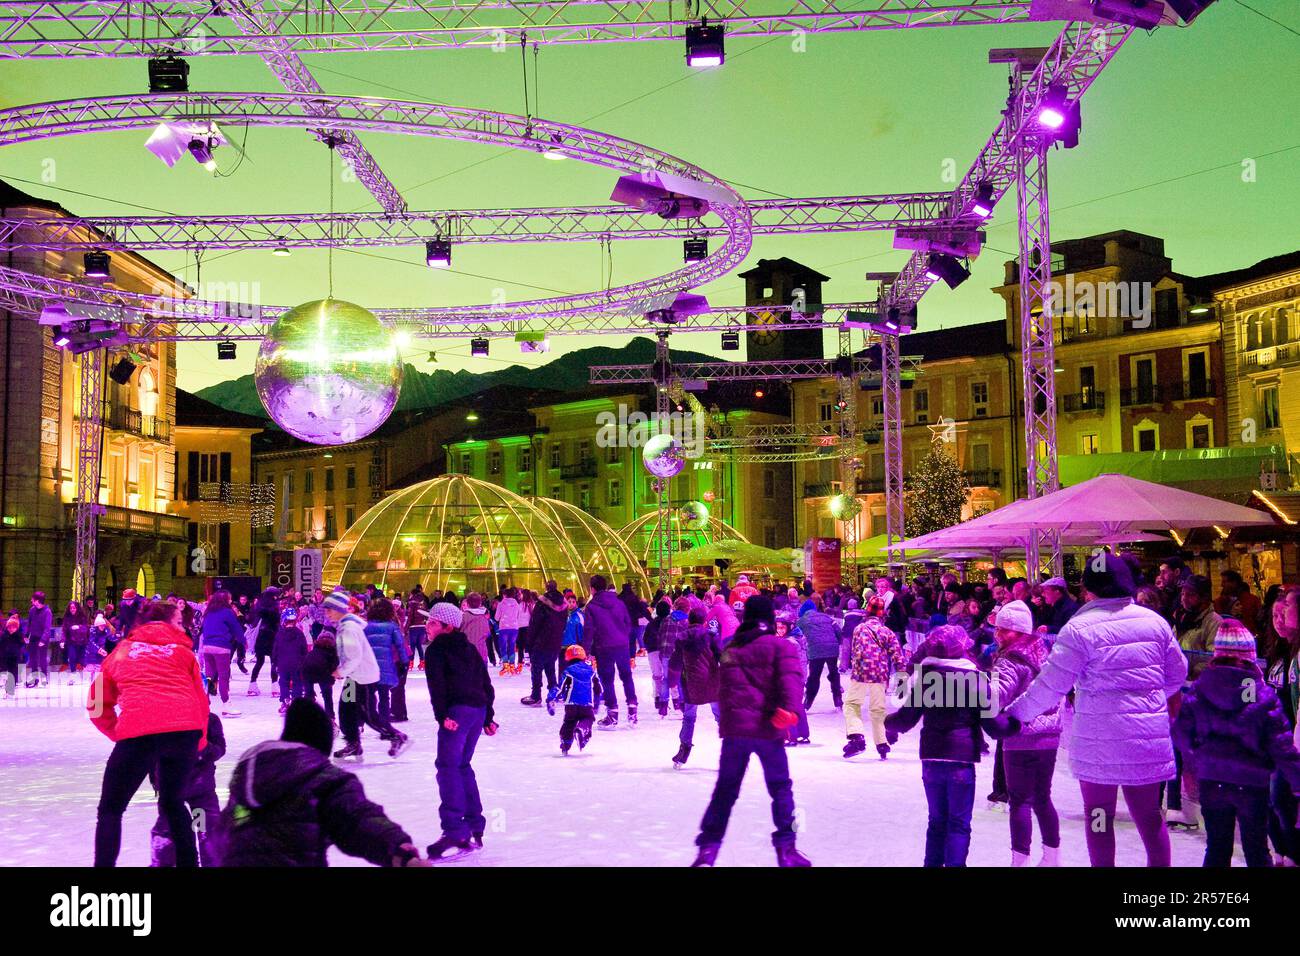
x=457 y=675
x=607 y=623
x=952 y=701
x=203 y=777
x=546 y=625
x=288 y=803
x=1059 y=614
x=320 y=663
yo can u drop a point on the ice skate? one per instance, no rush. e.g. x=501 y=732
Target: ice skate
x=349 y=750
x=883 y=750
x=476 y=841
x=253 y=691
x=678 y=705
x=550 y=706
x=1019 y=859
x=790 y=856
x=683 y=753
x=857 y=744
x=399 y=743
x=707 y=855
x=584 y=737
x=1051 y=856
x=631 y=713
x=661 y=706
x=284 y=706
x=531 y=701
x=230 y=712
x=564 y=747
x=609 y=721
x=448 y=848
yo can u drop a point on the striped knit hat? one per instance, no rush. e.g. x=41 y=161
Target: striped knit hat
x=337 y=601
x=1233 y=640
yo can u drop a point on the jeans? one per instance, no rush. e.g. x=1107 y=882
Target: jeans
x=607 y=662
x=204 y=810
x=950 y=794
x=731 y=772
x=397 y=695
x=1029 y=789
x=1226 y=806
x=460 y=810
x=999 y=773
x=76 y=657
x=815 y=680
x=687 y=734
x=658 y=674
x=506 y=638
x=38 y=661
x=174 y=754
x=378 y=710
x=543 y=665
x=291 y=686
x=352 y=709
x=216 y=666
x=257 y=668
x=416 y=636
x=1282 y=819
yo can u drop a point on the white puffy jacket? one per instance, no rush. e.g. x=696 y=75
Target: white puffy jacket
x=1124 y=663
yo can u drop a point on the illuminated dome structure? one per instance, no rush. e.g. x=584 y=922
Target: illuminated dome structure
x=641 y=536
x=456 y=533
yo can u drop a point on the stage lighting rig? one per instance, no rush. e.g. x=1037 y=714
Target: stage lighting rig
x=946 y=267
x=705 y=45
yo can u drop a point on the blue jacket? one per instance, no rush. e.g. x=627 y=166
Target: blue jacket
x=817 y=627
x=221 y=629
x=579 y=685
x=385 y=637
x=572 y=630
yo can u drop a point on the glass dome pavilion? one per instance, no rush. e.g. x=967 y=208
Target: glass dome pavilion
x=456 y=533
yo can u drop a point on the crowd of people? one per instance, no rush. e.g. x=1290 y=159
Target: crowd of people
x=1184 y=702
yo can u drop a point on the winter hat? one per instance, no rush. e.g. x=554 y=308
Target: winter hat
x=876 y=606
x=742 y=579
x=853 y=604
x=758 y=608
x=1107 y=576
x=1015 y=616
x=1233 y=640
x=574 y=652
x=337 y=601
x=100 y=620
x=128 y=594
x=663 y=609
x=807 y=606
x=289 y=615
x=1058 y=583
x=448 y=614
x=306 y=723
x=947 y=641
x=683 y=604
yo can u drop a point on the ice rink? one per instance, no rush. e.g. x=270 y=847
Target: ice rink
x=618 y=803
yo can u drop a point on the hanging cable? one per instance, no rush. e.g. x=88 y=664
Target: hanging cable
x=537 y=86
x=329 y=251
x=523 y=60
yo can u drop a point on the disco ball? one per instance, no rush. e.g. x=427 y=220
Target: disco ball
x=328 y=372
x=663 y=456
x=843 y=507
x=695 y=515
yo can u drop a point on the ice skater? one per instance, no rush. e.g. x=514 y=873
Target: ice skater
x=579 y=691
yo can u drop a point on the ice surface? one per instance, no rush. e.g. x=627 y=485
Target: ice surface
x=619 y=803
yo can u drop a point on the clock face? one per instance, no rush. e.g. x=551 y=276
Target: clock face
x=764 y=336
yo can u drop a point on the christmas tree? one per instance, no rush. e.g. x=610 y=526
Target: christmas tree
x=934 y=494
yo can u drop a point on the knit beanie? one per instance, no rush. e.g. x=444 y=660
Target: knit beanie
x=1233 y=640
x=306 y=723
x=448 y=614
x=1106 y=576
x=337 y=601
x=759 y=608
x=1015 y=616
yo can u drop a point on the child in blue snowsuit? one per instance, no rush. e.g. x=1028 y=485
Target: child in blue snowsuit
x=579 y=689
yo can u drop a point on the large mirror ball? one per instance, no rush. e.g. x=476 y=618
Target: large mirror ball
x=328 y=372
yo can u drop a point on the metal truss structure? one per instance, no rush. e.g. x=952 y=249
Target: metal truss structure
x=90 y=438
x=101 y=28
x=846 y=389
x=782 y=370
x=772 y=217
x=891 y=385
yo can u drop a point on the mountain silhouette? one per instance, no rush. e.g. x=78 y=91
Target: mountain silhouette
x=428 y=389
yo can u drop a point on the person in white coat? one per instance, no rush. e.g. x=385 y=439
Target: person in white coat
x=1125 y=666
x=357 y=669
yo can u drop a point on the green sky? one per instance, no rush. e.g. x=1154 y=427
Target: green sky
x=1166 y=129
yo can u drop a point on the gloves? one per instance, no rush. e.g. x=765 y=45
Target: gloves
x=784 y=719
x=713 y=626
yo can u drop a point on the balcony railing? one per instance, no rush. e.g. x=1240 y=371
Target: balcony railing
x=872 y=436
x=1192 y=389
x=1265 y=355
x=1089 y=400
x=984 y=477
x=1141 y=395
x=132 y=522
x=871 y=486
x=583 y=469
x=821 y=489
x=133 y=421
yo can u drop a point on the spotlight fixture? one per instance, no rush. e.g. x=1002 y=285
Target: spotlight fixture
x=982 y=204
x=1143 y=14
x=1051 y=111
x=759 y=393
x=730 y=341
x=61 y=338
x=169 y=74
x=550 y=149
x=96 y=265
x=478 y=347
x=946 y=267
x=704 y=45
x=433 y=358
x=225 y=351
x=1188 y=10
x=695 y=250
x=201 y=150
x=171 y=139
x=122 y=370
x=281 y=251
x=437 y=253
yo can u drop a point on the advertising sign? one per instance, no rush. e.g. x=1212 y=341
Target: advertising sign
x=307 y=564
x=821 y=558
x=280 y=570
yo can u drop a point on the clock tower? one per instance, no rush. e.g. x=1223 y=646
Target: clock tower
x=782 y=282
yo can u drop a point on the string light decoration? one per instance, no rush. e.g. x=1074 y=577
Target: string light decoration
x=237 y=503
x=934 y=493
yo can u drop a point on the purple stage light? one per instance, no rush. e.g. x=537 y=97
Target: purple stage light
x=704 y=46
x=982 y=205
x=1052 y=110
x=96 y=265
x=202 y=153
x=437 y=253
x=61 y=338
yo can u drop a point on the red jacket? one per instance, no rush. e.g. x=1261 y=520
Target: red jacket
x=150 y=684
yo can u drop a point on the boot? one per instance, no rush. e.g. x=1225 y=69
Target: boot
x=678 y=704
x=1019 y=859
x=550 y=706
x=610 y=720
x=683 y=752
x=564 y=746
x=856 y=745
x=531 y=701
x=790 y=856
x=661 y=706
x=447 y=848
x=284 y=706
x=253 y=691
x=399 y=743
x=228 y=711
x=707 y=855
x=584 y=737
x=1051 y=856
x=631 y=713
x=349 y=750
x=883 y=750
